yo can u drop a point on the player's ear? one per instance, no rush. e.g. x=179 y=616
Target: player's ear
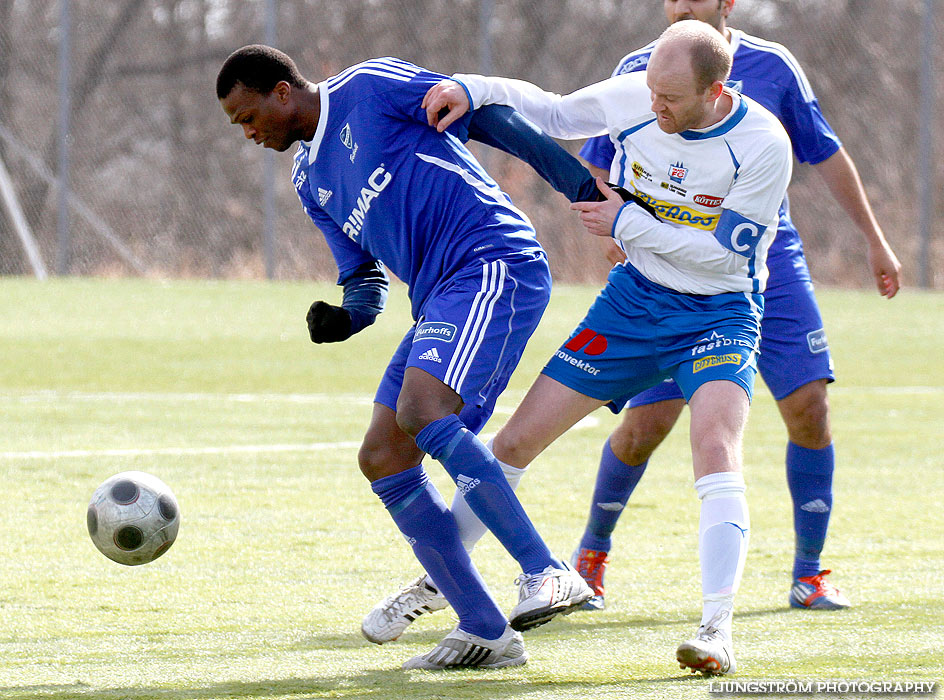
x=715 y=90
x=282 y=91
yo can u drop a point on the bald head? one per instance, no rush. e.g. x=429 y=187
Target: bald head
x=686 y=75
x=697 y=47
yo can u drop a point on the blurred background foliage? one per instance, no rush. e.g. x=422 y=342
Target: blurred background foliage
x=162 y=184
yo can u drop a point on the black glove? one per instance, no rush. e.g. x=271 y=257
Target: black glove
x=629 y=197
x=327 y=323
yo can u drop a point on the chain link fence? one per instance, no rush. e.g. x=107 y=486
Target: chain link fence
x=160 y=184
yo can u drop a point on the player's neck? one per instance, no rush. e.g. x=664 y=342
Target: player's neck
x=723 y=105
x=718 y=111
x=310 y=111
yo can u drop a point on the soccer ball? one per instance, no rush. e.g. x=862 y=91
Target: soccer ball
x=133 y=518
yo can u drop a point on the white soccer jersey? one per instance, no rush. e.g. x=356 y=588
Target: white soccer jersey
x=717 y=190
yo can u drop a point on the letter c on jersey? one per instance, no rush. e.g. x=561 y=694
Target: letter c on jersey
x=736 y=234
x=591 y=342
x=376 y=181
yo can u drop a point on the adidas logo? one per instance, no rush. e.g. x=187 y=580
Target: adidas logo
x=612 y=506
x=801 y=593
x=473 y=656
x=466 y=483
x=324 y=196
x=817 y=506
x=432 y=355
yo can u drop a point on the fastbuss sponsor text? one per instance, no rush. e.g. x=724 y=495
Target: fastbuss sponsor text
x=579 y=364
x=715 y=360
x=719 y=341
x=376 y=183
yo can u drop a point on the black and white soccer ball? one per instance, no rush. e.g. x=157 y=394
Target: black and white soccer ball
x=133 y=518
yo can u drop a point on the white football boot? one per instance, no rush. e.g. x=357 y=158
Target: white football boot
x=395 y=613
x=461 y=649
x=543 y=596
x=709 y=652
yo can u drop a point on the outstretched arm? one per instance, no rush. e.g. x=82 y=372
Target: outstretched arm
x=503 y=128
x=843 y=180
x=577 y=115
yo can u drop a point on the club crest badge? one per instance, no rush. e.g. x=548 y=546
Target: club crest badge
x=678 y=172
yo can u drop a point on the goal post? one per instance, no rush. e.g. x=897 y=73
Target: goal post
x=19 y=223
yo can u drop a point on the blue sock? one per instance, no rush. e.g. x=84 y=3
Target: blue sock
x=425 y=521
x=810 y=478
x=480 y=479
x=615 y=483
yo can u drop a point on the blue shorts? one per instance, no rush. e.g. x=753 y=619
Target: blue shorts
x=473 y=333
x=638 y=333
x=793 y=347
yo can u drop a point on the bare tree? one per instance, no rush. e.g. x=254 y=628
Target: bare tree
x=154 y=156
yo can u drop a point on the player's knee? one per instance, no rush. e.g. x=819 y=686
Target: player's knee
x=416 y=410
x=512 y=449
x=715 y=450
x=371 y=460
x=632 y=446
x=410 y=421
x=810 y=431
x=807 y=420
x=414 y=414
x=379 y=459
x=640 y=433
x=722 y=454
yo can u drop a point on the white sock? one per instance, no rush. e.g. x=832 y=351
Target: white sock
x=722 y=544
x=471 y=529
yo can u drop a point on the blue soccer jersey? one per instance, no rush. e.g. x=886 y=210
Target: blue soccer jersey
x=768 y=73
x=382 y=185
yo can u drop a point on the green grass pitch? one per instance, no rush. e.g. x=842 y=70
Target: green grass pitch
x=214 y=387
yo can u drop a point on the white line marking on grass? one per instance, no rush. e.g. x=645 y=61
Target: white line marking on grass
x=46 y=395
x=54 y=395
x=178 y=451
x=888 y=390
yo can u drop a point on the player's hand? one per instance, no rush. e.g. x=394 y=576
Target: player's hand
x=886 y=269
x=598 y=217
x=327 y=323
x=630 y=197
x=445 y=95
